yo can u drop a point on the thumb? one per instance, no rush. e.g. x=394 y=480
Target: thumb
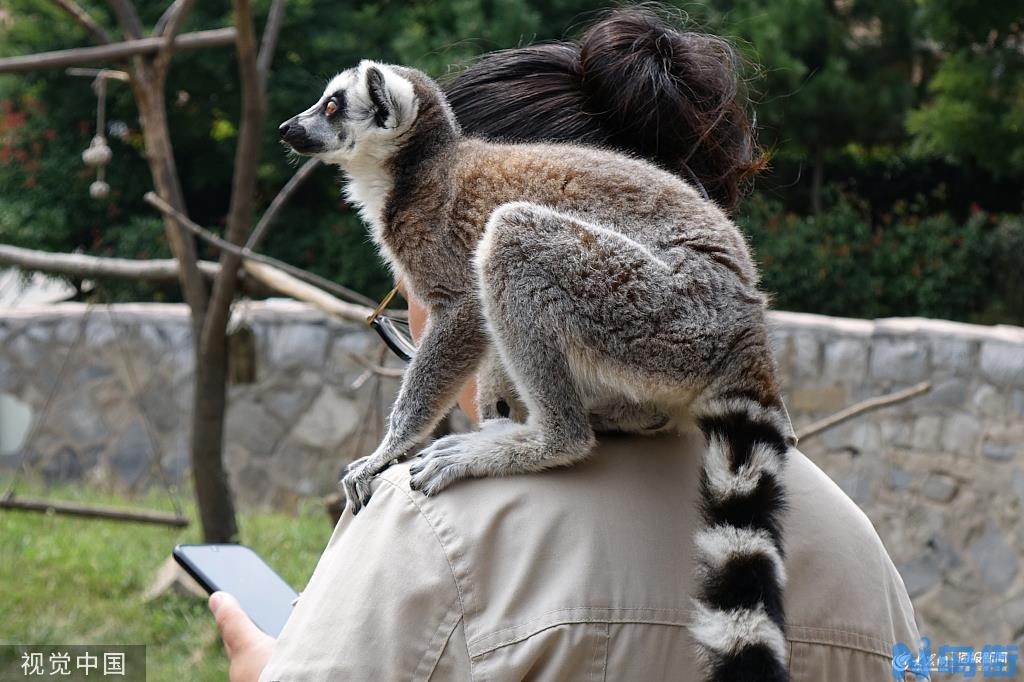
x=236 y=628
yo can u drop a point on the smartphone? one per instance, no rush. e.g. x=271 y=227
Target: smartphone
x=263 y=594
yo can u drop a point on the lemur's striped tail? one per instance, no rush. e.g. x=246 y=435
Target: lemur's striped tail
x=738 y=621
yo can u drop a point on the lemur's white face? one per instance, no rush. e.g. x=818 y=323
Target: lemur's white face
x=361 y=113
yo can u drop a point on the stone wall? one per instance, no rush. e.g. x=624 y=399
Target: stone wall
x=128 y=383
x=941 y=476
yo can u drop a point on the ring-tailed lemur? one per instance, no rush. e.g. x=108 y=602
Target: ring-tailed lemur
x=613 y=294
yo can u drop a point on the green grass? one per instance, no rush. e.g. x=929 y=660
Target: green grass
x=65 y=580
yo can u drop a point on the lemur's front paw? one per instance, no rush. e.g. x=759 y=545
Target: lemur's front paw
x=358 y=479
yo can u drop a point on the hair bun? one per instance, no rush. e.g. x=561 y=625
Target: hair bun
x=671 y=96
x=632 y=82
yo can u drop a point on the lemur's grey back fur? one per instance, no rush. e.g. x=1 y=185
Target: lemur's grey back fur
x=602 y=292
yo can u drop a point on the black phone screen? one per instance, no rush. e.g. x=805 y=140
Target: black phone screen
x=263 y=594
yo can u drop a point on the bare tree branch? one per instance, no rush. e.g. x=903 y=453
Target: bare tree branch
x=98 y=33
x=270 y=32
x=170 y=31
x=161 y=23
x=285 y=283
x=82 y=265
x=98 y=267
x=127 y=17
x=114 y=51
x=862 y=407
x=245 y=253
x=282 y=197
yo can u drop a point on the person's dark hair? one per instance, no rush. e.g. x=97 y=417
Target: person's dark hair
x=632 y=82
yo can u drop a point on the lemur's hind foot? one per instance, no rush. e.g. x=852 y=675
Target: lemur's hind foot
x=501 y=447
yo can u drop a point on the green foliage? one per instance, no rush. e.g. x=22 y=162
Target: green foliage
x=976 y=113
x=912 y=110
x=909 y=265
x=829 y=76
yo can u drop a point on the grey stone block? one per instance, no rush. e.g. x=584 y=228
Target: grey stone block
x=900 y=479
x=286 y=402
x=155 y=402
x=899 y=360
x=328 y=420
x=67 y=465
x=1017 y=402
x=952 y=392
x=988 y=402
x=27 y=352
x=927 y=432
x=8 y=373
x=846 y=360
x=925 y=572
x=960 y=434
x=897 y=432
x=1002 y=363
x=996 y=561
x=940 y=487
x=1000 y=451
x=253 y=428
x=132 y=453
x=302 y=344
x=77 y=416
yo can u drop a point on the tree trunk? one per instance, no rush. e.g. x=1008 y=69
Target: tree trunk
x=213 y=494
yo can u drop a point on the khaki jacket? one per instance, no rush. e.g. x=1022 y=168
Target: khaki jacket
x=578 y=574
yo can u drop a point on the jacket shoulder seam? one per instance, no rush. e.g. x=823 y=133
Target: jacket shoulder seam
x=444 y=550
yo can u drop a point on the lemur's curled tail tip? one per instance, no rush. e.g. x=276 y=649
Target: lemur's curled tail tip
x=738 y=622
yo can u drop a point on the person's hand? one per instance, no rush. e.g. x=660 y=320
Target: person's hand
x=248 y=648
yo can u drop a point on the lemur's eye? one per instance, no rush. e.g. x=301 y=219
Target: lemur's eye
x=331 y=107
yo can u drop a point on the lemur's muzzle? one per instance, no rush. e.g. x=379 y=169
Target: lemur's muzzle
x=292 y=132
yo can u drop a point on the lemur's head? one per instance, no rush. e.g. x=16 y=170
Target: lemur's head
x=363 y=112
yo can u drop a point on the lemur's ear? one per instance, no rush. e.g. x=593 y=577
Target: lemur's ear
x=383 y=104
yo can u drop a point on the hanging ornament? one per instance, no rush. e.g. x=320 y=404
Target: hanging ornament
x=98 y=154
x=99 y=190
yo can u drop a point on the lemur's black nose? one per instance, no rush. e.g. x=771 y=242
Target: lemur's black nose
x=283 y=128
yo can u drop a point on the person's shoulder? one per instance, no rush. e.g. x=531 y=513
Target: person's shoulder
x=843 y=589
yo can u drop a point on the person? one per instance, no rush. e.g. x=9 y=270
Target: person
x=582 y=572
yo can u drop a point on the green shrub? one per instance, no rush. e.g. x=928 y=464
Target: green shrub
x=839 y=263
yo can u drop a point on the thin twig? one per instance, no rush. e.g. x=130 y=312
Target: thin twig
x=109 y=74
x=275 y=206
x=127 y=17
x=98 y=33
x=392 y=372
x=300 y=274
x=161 y=23
x=862 y=407
x=170 y=30
x=269 y=43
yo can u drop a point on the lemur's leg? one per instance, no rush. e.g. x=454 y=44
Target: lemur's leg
x=445 y=359
x=530 y=339
x=496 y=395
